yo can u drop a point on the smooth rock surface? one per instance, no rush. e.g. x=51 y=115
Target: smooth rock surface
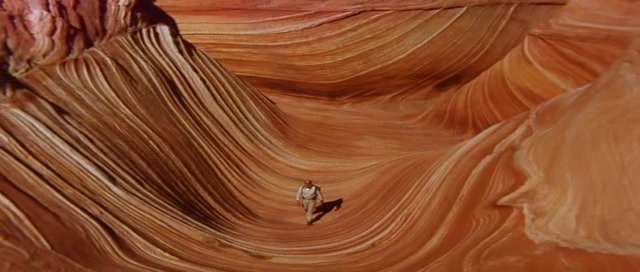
x=455 y=135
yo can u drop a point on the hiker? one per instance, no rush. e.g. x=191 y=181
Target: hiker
x=309 y=194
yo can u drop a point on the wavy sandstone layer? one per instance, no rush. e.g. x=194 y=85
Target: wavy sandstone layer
x=457 y=135
x=581 y=159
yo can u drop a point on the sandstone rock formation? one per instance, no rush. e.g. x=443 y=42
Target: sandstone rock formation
x=460 y=135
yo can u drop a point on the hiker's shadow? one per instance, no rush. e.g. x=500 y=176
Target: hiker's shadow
x=325 y=208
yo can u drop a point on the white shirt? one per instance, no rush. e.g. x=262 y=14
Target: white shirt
x=308 y=192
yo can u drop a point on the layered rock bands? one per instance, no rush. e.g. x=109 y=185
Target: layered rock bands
x=454 y=135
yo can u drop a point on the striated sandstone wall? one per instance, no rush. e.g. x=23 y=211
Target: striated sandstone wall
x=459 y=135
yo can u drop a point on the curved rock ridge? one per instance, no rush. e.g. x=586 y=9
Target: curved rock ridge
x=569 y=51
x=569 y=133
x=350 y=54
x=468 y=136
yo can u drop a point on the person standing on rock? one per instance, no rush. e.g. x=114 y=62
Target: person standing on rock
x=308 y=196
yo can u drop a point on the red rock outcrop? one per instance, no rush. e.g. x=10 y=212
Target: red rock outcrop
x=458 y=135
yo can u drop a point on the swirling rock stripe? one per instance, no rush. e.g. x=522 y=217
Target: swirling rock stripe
x=334 y=5
x=193 y=193
x=601 y=118
x=352 y=54
x=570 y=51
x=143 y=154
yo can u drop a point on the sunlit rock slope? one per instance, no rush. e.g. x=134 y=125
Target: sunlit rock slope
x=457 y=135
